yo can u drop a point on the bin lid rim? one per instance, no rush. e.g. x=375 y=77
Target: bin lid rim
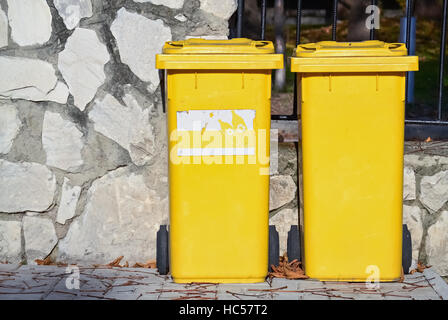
x=369 y=48
x=205 y=46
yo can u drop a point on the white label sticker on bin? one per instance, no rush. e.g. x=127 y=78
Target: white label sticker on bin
x=215 y=127
x=197 y=120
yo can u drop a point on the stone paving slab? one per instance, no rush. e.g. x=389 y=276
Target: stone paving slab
x=244 y=291
x=8 y=267
x=437 y=283
x=29 y=282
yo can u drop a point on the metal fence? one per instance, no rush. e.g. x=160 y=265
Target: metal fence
x=415 y=128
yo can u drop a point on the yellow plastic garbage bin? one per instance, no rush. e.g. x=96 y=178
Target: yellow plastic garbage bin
x=218 y=114
x=352 y=119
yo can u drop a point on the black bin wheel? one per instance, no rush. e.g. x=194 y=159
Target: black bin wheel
x=293 y=244
x=163 y=260
x=274 y=249
x=406 y=260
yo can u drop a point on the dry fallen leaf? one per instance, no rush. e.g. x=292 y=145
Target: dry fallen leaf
x=402 y=275
x=138 y=265
x=148 y=264
x=47 y=262
x=116 y=262
x=44 y=262
x=420 y=268
x=288 y=270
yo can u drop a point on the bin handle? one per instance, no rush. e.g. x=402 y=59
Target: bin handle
x=395 y=45
x=175 y=44
x=261 y=43
x=307 y=48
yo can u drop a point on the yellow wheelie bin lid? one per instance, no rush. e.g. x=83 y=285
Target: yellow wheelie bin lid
x=238 y=53
x=365 y=56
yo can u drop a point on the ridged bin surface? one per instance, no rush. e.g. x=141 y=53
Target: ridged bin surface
x=219 y=210
x=352 y=112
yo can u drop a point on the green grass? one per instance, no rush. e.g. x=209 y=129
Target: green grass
x=426 y=91
x=426 y=82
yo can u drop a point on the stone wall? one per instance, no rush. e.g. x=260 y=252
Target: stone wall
x=283 y=191
x=425 y=196
x=83 y=159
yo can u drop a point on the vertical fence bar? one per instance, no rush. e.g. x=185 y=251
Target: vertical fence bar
x=335 y=19
x=298 y=21
x=408 y=40
x=298 y=29
x=263 y=19
x=442 y=60
x=372 y=28
x=239 y=22
x=408 y=23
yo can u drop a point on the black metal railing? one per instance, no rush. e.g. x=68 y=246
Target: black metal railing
x=372 y=30
x=415 y=128
x=335 y=19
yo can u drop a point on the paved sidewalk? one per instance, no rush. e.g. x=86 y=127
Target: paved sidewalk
x=56 y=283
